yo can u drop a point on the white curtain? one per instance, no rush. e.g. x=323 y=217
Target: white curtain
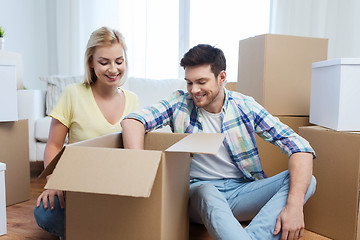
x=63 y=37
x=336 y=20
x=70 y=23
x=150 y=28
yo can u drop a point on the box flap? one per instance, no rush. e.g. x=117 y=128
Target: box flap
x=112 y=140
x=50 y=167
x=336 y=61
x=200 y=143
x=106 y=171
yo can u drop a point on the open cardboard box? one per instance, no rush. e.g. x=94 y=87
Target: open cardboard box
x=116 y=193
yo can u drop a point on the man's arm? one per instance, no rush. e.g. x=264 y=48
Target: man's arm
x=291 y=218
x=133 y=132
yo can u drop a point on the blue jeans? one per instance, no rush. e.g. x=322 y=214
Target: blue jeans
x=221 y=204
x=52 y=221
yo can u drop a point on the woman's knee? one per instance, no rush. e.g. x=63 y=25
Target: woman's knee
x=50 y=220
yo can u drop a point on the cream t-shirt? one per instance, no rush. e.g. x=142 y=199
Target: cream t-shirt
x=78 y=111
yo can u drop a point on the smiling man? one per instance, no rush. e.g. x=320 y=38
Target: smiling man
x=231 y=186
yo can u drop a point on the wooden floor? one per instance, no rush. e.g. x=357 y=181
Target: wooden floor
x=21 y=223
x=20 y=218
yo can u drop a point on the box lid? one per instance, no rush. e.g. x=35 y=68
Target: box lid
x=2 y=166
x=336 y=61
x=7 y=62
x=106 y=171
x=200 y=143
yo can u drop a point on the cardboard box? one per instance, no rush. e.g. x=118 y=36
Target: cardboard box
x=333 y=211
x=17 y=58
x=8 y=91
x=2 y=200
x=276 y=71
x=335 y=94
x=115 y=193
x=14 y=152
x=231 y=86
x=273 y=160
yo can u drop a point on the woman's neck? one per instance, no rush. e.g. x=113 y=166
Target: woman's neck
x=104 y=91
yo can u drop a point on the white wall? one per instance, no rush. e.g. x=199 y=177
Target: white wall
x=336 y=20
x=25 y=23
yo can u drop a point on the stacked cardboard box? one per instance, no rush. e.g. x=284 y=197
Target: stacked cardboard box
x=115 y=193
x=2 y=200
x=335 y=94
x=14 y=152
x=8 y=91
x=334 y=210
x=276 y=71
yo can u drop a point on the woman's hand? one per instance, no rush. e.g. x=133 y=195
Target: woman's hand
x=50 y=194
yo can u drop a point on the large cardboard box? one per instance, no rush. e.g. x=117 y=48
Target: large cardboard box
x=273 y=160
x=8 y=91
x=276 y=71
x=335 y=94
x=14 y=152
x=115 y=193
x=2 y=200
x=333 y=211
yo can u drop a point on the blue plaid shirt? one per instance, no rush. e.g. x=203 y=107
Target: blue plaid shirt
x=242 y=118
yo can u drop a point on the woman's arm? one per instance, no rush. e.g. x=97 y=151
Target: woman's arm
x=55 y=141
x=54 y=144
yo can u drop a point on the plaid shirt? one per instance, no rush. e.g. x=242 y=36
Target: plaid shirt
x=242 y=118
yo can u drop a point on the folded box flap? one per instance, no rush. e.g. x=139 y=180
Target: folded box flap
x=106 y=171
x=201 y=143
x=112 y=140
x=50 y=167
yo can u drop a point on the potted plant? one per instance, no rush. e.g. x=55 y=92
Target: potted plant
x=2 y=40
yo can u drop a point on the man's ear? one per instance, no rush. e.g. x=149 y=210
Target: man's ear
x=222 y=77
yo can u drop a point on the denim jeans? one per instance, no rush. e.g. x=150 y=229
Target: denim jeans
x=52 y=221
x=221 y=204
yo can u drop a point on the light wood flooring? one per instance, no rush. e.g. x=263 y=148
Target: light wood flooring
x=21 y=223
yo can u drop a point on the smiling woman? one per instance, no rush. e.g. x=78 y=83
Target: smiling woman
x=85 y=111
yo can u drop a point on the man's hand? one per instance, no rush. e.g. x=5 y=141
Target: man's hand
x=291 y=222
x=50 y=194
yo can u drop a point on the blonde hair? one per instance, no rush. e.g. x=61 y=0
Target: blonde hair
x=103 y=36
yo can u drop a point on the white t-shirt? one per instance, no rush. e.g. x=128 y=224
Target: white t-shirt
x=210 y=167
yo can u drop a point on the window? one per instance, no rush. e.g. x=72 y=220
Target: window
x=159 y=32
x=224 y=23
x=151 y=32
